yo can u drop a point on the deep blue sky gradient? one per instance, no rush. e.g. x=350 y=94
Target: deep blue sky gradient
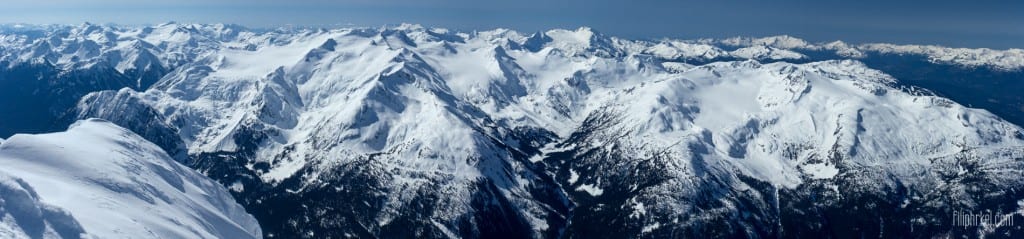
x=966 y=23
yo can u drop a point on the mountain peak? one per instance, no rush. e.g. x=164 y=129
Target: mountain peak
x=105 y=181
x=409 y=27
x=498 y=134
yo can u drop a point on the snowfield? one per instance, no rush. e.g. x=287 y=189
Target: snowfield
x=409 y=131
x=97 y=180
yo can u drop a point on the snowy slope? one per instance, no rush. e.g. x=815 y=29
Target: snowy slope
x=129 y=50
x=1012 y=59
x=406 y=131
x=138 y=51
x=22 y=215
x=55 y=65
x=50 y=67
x=102 y=181
x=767 y=53
x=1006 y=60
x=799 y=114
x=331 y=99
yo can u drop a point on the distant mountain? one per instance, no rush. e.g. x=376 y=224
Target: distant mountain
x=983 y=78
x=48 y=68
x=97 y=180
x=40 y=63
x=410 y=131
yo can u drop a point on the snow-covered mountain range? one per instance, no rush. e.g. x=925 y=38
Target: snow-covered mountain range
x=409 y=131
x=55 y=65
x=1012 y=59
x=98 y=180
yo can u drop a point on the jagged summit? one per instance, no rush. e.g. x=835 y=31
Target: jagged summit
x=412 y=131
x=170 y=36
x=434 y=122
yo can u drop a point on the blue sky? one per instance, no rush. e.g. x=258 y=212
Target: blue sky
x=967 y=23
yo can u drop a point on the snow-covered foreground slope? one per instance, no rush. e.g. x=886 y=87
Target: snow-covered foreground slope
x=416 y=132
x=22 y=215
x=98 y=180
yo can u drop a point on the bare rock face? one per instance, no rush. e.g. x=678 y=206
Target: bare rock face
x=417 y=132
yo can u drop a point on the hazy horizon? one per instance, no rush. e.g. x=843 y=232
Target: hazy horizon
x=992 y=24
